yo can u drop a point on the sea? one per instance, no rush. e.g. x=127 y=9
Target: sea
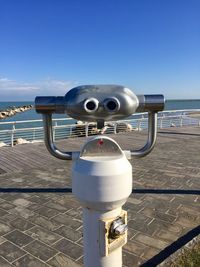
x=32 y=115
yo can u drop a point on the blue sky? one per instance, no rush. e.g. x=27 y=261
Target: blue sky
x=49 y=46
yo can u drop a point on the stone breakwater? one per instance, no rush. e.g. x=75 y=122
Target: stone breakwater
x=79 y=129
x=13 y=111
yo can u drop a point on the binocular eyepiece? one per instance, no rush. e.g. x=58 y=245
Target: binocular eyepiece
x=111 y=105
x=91 y=105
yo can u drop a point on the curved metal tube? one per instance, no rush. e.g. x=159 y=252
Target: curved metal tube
x=48 y=138
x=152 y=134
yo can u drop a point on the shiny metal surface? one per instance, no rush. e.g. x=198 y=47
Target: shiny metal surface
x=150 y=103
x=100 y=103
x=111 y=104
x=48 y=138
x=101 y=146
x=118 y=227
x=91 y=105
x=50 y=104
x=125 y=100
x=152 y=134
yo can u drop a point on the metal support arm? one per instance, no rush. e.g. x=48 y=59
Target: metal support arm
x=145 y=150
x=152 y=133
x=48 y=138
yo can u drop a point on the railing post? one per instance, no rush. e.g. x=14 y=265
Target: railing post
x=139 y=123
x=70 y=130
x=54 y=131
x=181 y=121
x=12 y=135
x=11 y=138
x=33 y=135
x=161 y=122
x=115 y=128
x=86 y=129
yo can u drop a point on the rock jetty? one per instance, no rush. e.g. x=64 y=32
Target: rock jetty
x=20 y=141
x=80 y=128
x=13 y=111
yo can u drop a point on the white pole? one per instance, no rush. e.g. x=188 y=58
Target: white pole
x=12 y=135
x=138 y=125
x=161 y=122
x=11 y=138
x=115 y=128
x=33 y=134
x=92 y=246
x=181 y=121
x=102 y=181
x=86 y=129
x=54 y=131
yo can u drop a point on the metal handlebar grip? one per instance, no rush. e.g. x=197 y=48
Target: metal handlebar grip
x=50 y=104
x=150 y=103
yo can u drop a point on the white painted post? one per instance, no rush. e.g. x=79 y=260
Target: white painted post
x=33 y=134
x=181 y=121
x=54 y=131
x=86 y=129
x=92 y=253
x=11 y=141
x=12 y=135
x=161 y=122
x=70 y=131
x=102 y=184
x=139 y=123
x=115 y=128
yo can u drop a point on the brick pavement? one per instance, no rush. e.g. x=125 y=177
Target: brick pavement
x=45 y=229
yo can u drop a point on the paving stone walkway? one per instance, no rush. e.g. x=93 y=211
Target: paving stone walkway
x=40 y=229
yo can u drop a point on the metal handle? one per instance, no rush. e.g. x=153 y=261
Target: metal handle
x=152 y=103
x=152 y=134
x=145 y=150
x=48 y=138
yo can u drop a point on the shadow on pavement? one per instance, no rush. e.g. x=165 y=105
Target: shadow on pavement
x=69 y=190
x=167 y=191
x=172 y=248
x=178 y=133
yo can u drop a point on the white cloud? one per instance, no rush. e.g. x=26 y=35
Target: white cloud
x=14 y=90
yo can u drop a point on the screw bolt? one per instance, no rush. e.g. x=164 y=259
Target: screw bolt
x=117 y=228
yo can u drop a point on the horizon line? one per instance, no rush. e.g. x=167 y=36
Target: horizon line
x=167 y=99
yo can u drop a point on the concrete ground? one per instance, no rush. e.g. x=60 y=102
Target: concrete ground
x=41 y=228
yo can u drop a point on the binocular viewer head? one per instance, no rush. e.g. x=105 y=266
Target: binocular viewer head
x=99 y=103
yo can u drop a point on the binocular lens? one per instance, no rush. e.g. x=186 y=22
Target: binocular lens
x=91 y=105
x=112 y=104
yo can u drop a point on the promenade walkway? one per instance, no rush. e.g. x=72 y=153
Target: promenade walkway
x=40 y=228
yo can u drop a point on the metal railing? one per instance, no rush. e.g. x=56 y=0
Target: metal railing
x=66 y=128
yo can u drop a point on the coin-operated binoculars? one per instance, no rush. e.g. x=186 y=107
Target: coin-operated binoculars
x=101 y=172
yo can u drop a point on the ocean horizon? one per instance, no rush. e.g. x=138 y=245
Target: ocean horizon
x=29 y=119
x=170 y=104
